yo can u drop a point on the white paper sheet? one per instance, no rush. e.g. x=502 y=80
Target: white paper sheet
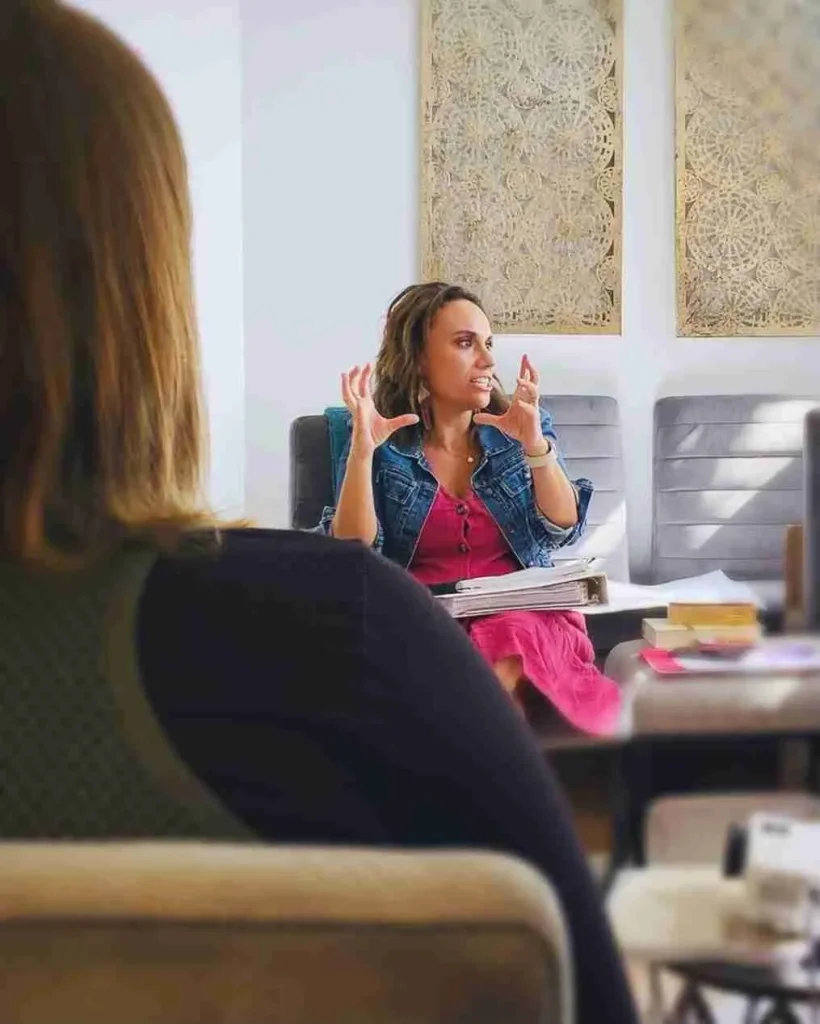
x=774 y=654
x=710 y=587
x=527 y=579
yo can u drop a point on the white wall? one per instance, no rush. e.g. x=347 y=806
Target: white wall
x=329 y=102
x=330 y=116
x=195 y=53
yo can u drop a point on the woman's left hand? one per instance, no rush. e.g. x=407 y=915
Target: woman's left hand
x=522 y=421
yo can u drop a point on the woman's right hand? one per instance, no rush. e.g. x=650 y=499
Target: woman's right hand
x=370 y=428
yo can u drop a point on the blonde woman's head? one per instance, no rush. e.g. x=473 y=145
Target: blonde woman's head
x=101 y=424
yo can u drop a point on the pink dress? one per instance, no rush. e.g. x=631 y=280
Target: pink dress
x=460 y=540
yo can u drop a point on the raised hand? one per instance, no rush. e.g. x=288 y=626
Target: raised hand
x=522 y=421
x=370 y=428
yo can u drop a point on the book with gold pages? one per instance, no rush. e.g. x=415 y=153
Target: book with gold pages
x=669 y=636
x=712 y=613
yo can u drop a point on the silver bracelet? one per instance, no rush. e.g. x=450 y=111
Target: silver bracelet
x=536 y=461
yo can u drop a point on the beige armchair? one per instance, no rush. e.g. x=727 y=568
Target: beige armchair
x=177 y=933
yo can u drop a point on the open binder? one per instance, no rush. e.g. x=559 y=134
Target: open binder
x=566 y=586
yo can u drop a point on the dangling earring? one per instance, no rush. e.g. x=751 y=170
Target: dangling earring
x=423 y=402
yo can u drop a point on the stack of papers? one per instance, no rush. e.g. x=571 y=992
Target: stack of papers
x=782 y=654
x=572 y=584
x=709 y=588
x=578 y=583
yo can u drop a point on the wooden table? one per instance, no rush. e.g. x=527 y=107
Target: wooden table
x=662 y=711
x=720 y=704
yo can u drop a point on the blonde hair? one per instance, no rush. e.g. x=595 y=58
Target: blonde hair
x=101 y=421
x=409 y=316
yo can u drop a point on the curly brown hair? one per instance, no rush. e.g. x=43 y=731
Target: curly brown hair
x=409 y=316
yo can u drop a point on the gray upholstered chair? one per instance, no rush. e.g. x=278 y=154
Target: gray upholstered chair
x=728 y=480
x=589 y=431
x=190 y=933
x=730 y=472
x=311 y=482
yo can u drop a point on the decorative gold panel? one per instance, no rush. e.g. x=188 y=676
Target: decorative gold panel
x=748 y=167
x=521 y=159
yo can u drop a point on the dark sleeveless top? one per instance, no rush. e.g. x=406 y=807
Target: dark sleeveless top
x=289 y=686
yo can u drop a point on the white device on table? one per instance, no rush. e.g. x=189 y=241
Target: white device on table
x=780 y=862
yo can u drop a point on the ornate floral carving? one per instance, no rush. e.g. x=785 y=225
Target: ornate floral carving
x=748 y=120
x=521 y=158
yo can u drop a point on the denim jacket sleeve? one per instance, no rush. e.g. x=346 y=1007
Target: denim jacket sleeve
x=339 y=430
x=554 y=536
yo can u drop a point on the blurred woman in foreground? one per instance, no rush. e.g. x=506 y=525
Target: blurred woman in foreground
x=286 y=669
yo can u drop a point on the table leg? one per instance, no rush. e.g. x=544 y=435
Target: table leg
x=638 y=782
x=751 y=1012
x=691 y=1007
x=620 y=850
x=780 y=1013
x=813 y=766
x=811 y=964
x=655 y=1010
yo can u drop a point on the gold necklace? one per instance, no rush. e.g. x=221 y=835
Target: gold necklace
x=454 y=455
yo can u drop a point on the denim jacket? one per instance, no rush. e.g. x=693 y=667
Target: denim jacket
x=404 y=489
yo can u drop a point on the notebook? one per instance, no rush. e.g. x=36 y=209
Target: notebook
x=790 y=655
x=574 y=584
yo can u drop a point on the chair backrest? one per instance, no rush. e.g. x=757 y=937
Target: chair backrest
x=728 y=480
x=214 y=934
x=588 y=428
x=589 y=432
x=311 y=479
x=692 y=829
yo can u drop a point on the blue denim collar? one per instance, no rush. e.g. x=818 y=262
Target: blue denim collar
x=492 y=441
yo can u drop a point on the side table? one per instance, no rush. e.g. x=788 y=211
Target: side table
x=689 y=920
x=737 y=707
